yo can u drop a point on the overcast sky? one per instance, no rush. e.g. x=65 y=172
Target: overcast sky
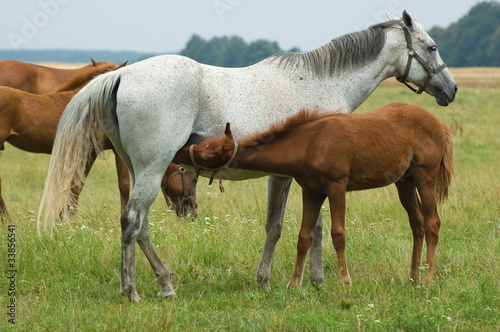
x=166 y=25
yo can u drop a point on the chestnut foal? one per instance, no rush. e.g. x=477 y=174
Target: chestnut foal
x=329 y=155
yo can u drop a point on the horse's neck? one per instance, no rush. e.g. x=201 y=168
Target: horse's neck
x=348 y=89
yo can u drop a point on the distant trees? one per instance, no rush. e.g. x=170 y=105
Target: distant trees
x=474 y=40
x=230 y=51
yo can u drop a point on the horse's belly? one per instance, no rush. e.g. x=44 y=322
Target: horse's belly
x=233 y=174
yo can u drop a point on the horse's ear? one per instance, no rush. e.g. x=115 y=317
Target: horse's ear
x=227 y=132
x=93 y=62
x=391 y=17
x=408 y=21
x=122 y=65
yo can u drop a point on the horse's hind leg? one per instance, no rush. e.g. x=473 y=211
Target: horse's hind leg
x=3 y=208
x=409 y=199
x=123 y=181
x=76 y=190
x=134 y=228
x=162 y=274
x=426 y=186
x=316 y=274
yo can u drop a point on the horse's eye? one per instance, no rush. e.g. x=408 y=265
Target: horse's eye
x=206 y=146
x=432 y=48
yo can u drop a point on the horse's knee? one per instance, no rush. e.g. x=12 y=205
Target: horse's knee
x=338 y=239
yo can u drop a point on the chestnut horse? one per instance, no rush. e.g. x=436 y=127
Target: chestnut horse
x=39 y=79
x=29 y=122
x=329 y=155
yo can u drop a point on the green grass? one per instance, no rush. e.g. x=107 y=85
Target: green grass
x=71 y=282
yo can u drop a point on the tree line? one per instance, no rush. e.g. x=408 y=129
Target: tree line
x=474 y=40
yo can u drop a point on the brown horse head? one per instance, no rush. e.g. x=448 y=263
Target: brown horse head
x=214 y=152
x=178 y=186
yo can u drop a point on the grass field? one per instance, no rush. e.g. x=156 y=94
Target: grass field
x=71 y=282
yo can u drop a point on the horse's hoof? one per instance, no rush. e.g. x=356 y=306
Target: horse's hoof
x=263 y=281
x=167 y=294
x=132 y=297
x=317 y=281
x=264 y=284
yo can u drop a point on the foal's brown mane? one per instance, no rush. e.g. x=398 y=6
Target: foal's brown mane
x=282 y=128
x=80 y=79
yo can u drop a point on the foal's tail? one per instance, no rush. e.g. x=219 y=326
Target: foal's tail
x=79 y=134
x=446 y=168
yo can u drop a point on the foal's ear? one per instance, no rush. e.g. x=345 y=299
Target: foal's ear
x=122 y=65
x=408 y=21
x=227 y=132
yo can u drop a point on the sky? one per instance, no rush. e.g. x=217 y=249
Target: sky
x=165 y=26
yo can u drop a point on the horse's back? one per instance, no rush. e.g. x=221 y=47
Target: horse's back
x=18 y=75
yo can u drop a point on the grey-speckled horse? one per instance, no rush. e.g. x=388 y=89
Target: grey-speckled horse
x=151 y=109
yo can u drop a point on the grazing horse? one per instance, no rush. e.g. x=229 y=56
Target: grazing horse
x=178 y=186
x=39 y=79
x=329 y=155
x=153 y=108
x=29 y=122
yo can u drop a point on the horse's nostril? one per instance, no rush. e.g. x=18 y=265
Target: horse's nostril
x=456 y=88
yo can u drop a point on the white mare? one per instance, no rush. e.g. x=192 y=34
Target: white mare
x=151 y=109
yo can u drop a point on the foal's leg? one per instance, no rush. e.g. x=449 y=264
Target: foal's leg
x=336 y=197
x=409 y=199
x=278 y=188
x=311 y=203
x=426 y=186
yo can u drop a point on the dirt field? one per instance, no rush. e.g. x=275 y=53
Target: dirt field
x=470 y=77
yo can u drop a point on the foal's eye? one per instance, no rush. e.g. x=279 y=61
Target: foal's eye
x=206 y=146
x=432 y=48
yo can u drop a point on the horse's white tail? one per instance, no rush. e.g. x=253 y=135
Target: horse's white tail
x=79 y=134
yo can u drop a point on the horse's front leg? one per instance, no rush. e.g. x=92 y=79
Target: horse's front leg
x=277 y=193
